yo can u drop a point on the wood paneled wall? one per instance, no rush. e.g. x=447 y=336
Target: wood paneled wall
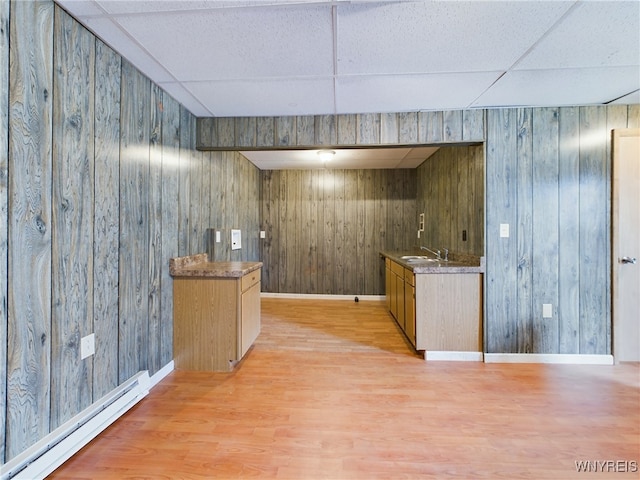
x=413 y=128
x=29 y=244
x=100 y=184
x=4 y=209
x=548 y=176
x=450 y=193
x=325 y=228
x=232 y=184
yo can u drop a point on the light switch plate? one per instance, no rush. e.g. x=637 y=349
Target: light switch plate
x=263 y=234
x=547 y=310
x=87 y=346
x=236 y=239
x=218 y=239
x=504 y=230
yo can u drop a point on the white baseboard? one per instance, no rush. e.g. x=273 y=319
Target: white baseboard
x=160 y=374
x=309 y=296
x=558 y=358
x=53 y=450
x=451 y=356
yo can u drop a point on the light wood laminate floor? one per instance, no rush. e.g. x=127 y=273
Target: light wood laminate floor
x=331 y=390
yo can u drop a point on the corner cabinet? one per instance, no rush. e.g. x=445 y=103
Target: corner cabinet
x=216 y=314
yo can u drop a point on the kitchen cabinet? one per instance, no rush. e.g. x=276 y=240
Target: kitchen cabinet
x=216 y=313
x=449 y=312
x=398 y=291
x=249 y=311
x=394 y=275
x=410 y=306
x=440 y=310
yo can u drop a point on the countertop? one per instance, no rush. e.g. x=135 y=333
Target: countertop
x=200 y=266
x=458 y=263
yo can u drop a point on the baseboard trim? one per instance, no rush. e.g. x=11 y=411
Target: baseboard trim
x=453 y=356
x=57 y=447
x=160 y=374
x=54 y=449
x=309 y=296
x=557 y=358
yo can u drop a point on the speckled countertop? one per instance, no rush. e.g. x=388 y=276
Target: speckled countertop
x=458 y=263
x=200 y=266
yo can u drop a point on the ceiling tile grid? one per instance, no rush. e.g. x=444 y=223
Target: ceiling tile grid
x=437 y=37
x=309 y=57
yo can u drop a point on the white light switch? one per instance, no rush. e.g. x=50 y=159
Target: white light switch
x=504 y=230
x=263 y=234
x=87 y=346
x=218 y=236
x=547 y=310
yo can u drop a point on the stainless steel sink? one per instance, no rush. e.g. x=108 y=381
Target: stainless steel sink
x=418 y=259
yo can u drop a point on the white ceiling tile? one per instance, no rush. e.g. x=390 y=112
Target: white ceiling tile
x=267 y=97
x=81 y=8
x=276 y=57
x=354 y=158
x=404 y=93
x=439 y=36
x=118 y=7
x=186 y=98
x=117 y=39
x=238 y=43
x=594 y=34
x=631 y=99
x=561 y=87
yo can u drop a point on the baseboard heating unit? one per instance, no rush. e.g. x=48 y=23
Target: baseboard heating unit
x=46 y=455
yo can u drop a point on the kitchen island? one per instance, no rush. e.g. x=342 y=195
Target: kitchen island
x=437 y=303
x=216 y=311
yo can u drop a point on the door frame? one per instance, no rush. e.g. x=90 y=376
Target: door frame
x=616 y=134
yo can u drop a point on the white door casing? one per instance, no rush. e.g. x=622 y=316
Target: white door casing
x=626 y=245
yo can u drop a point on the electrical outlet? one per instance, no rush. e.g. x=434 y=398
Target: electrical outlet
x=87 y=346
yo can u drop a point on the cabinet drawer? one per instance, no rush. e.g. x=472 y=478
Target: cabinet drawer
x=409 y=277
x=397 y=269
x=250 y=279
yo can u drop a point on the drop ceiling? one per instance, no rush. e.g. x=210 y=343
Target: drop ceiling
x=358 y=158
x=240 y=58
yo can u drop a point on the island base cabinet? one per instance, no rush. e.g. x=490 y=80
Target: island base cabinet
x=216 y=320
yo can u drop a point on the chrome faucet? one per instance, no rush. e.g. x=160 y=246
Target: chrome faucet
x=446 y=254
x=436 y=253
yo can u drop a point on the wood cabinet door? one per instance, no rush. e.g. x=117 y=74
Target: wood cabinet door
x=387 y=285
x=250 y=318
x=410 y=312
x=400 y=300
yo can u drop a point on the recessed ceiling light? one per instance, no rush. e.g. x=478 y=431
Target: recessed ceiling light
x=326 y=155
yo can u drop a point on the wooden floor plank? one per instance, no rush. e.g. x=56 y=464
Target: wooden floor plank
x=331 y=390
